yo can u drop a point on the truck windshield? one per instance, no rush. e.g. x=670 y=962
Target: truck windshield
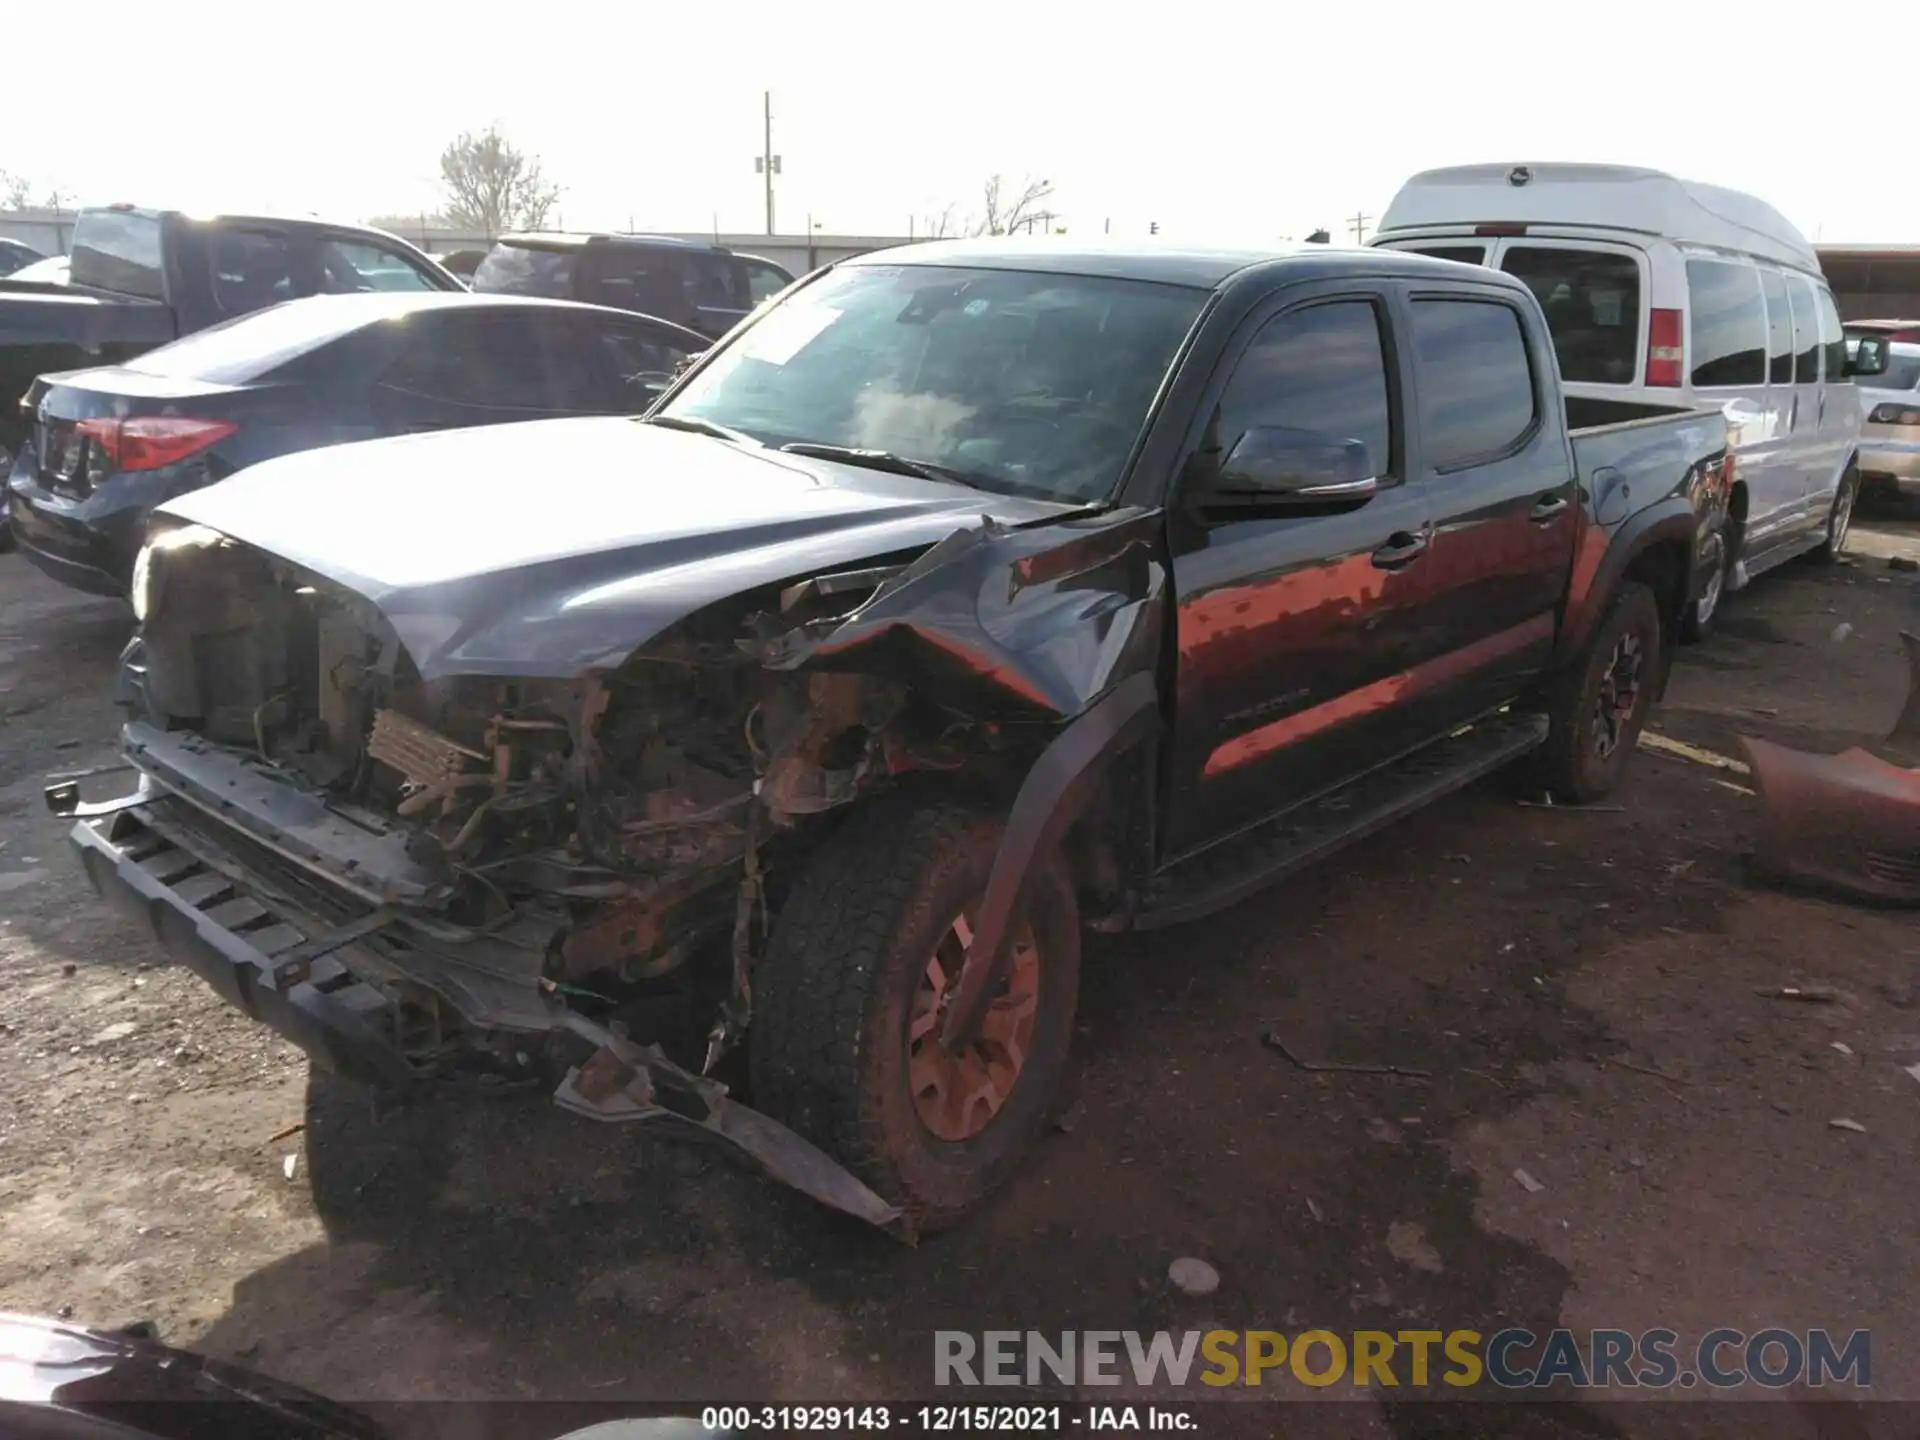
x=118 y=250
x=526 y=270
x=1037 y=383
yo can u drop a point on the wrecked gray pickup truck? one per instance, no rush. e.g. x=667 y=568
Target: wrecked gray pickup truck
x=968 y=597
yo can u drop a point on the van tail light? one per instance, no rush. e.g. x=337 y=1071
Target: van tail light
x=1894 y=415
x=1666 y=348
x=146 y=442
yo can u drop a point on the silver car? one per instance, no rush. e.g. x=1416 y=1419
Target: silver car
x=1890 y=439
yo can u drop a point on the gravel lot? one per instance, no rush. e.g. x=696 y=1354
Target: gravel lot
x=1542 y=965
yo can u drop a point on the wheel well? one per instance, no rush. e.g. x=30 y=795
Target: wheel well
x=1737 y=506
x=1666 y=569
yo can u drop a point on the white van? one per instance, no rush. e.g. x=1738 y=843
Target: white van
x=1663 y=292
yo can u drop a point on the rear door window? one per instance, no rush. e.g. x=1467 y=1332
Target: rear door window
x=1592 y=303
x=1729 y=322
x=1475 y=380
x=1806 y=330
x=119 y=251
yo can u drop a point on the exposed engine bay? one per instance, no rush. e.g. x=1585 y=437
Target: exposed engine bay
x=614 y=828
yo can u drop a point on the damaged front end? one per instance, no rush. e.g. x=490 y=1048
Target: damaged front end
x=499 y=878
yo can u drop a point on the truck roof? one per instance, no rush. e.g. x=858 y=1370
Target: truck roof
x=1615 y=197
x=1197 y=267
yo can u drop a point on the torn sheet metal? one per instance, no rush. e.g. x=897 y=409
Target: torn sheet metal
x=1040 y=621
x=625 y=1082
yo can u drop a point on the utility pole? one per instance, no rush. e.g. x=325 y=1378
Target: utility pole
x=768 y=163
x=1358 y=225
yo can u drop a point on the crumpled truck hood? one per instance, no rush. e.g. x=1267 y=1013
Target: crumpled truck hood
x=555 y=547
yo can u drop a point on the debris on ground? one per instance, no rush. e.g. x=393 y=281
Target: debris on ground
x=1812 y=994
x=1333 y=1067
x=1680 y=750
x=1845 y=1124
x=1840 y=632
x=1193 y=1277
x=1407 y=1243
x=1648 y=1070
x=285 y=1132
x=1528 y=1183
x=1313 y=1206
x=289 y=1165
x=1843 y=1047
x=1913 y=1070
x=1070 y=1117
x=1902 y=562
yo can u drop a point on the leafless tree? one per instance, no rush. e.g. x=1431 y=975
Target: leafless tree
x=1002 y=211
x=15 y=191
x=948 y=223
x=491 y=186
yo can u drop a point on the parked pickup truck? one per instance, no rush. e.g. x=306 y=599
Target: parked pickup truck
x=703 y=287
x=139 y=278
x=970 y=596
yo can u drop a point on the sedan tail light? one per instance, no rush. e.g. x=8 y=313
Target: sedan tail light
x=146 y=442
x=1895 y=414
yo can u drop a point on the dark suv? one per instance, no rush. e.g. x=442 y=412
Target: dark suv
x=704 y=287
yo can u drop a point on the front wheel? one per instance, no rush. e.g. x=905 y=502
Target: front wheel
x=1596 y=708
x=863 y=961
x=1840 y=518
x=1716 y=560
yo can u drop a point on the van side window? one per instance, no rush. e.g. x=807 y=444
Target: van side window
x=1779 y=329
x=1806 y=331
x=1729 y=323
x=1323 y=368
x=1476 y=382
x=1592 y=300
x=1833 y=340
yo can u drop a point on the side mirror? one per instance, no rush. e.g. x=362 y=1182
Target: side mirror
x=1871 y=354
x=1274 y=465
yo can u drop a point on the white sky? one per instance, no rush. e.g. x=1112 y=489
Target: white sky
x=1236 y=122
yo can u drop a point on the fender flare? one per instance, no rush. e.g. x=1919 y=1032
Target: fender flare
x=1674 y=518
x=1054 y=795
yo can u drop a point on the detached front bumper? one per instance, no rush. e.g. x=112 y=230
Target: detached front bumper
x=259 y=961
x=290 y=948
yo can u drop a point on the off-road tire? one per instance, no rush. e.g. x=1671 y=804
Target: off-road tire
x=1840 y=518
x=828 y=1049
x=1695 y=625
x=1570 y=765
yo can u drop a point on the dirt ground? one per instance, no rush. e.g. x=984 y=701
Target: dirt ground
x=1581 y=986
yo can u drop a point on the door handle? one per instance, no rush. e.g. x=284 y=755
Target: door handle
x=1400 y=550
x=1550 y=506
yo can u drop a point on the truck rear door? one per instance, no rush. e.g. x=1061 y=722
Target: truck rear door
x=1490 y=450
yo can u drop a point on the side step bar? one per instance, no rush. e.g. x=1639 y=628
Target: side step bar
x=1227 y=873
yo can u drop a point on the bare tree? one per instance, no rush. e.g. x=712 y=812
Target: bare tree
x=492 y=187
x=15 y=191
x=948 y=223
x=1003 y=211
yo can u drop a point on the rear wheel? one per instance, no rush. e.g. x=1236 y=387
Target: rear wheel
x=863 y=963
x=1596 y=708
x=1840 y=518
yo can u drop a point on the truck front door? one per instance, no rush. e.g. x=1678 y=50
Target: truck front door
x=1296 y=632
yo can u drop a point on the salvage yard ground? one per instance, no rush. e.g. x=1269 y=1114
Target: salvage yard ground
x=1581 y=987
